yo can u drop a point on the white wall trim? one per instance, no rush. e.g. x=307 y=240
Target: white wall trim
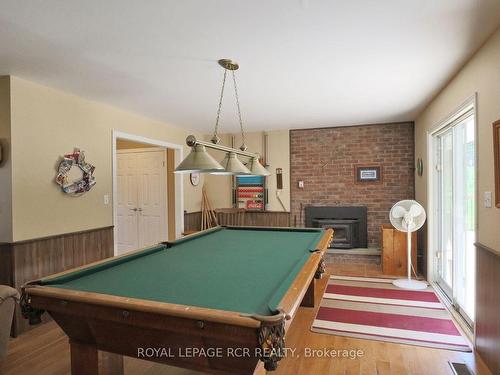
x=467 y=104
x=139 y=150
x=470 y=102
x=431 y=253
x=463 y=326
x=179 y=183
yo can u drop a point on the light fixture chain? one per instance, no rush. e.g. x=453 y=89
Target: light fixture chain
x=239 y=111
x=220 y=104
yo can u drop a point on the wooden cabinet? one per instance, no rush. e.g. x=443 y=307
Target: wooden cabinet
x=394 y=251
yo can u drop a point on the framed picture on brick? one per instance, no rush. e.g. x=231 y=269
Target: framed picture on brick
x=368 y=173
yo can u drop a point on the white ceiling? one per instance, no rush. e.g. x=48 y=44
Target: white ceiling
x=306 y=63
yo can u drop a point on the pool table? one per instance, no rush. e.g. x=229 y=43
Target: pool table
x=218 y=300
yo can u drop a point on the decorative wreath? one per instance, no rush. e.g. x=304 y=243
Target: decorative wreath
x=77 y=158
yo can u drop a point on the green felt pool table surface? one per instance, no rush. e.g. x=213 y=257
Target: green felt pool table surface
x=246 y=270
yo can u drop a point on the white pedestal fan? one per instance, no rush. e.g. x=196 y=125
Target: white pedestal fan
x=408 y=216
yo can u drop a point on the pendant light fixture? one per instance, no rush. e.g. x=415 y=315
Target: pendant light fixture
x=257 y=169
x=199 y=160
x=233 y=165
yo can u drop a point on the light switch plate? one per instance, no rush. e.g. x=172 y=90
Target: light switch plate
x=106 y=199
x=488 y=199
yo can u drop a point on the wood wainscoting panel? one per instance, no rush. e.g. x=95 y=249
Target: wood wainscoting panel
x=267 y=219
x=6 y=277
x=33 y=259
x=488 y=306
x=192 y=220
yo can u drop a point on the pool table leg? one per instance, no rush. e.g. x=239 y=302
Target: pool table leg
x=84 y=358
x=308 y=300
x=110 y=363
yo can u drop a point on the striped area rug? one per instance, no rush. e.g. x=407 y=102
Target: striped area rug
x=371 y=308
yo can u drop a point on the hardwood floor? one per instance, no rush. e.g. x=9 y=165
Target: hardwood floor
x=45 y=350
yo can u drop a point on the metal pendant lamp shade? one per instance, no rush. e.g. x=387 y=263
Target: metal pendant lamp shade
x=199 y=160
x=233 y=166
x=258 y=169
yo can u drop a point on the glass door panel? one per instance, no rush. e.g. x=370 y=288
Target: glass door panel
x=456 y=199
x=445 y=246
x=464 y=217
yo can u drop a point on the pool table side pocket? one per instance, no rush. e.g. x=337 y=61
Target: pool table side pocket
x=193 y=236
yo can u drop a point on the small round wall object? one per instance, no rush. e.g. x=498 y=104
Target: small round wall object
x=78 y=187
x=194 y=178
x=420 y=167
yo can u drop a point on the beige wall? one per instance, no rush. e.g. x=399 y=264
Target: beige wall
x=219 y=187
x=5 y=164
x=279 y=157
x=482 y=75
x=47 y=123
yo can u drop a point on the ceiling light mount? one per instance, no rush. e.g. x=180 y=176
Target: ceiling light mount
x=229 y=64
x=191 y=140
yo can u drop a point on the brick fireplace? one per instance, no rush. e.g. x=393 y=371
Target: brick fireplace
x=325 y=160
x=349 y=224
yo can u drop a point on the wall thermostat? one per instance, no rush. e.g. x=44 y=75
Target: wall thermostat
x=279 y=179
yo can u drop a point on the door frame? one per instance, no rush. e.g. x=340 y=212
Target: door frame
x=432 y=199
x=179 y=183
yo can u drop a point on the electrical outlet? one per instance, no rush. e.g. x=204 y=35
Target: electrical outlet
x=106 y=199
x=488 y=199
x=301 y=184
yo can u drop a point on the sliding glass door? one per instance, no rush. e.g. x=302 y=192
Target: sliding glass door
x=455 y=195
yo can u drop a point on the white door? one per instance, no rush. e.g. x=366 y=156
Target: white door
x=152 y=198
x=142 y=203
x=127 y=202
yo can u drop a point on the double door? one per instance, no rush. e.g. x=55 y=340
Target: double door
x=141 y=198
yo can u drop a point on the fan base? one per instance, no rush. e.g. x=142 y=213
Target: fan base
x=410 y=284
